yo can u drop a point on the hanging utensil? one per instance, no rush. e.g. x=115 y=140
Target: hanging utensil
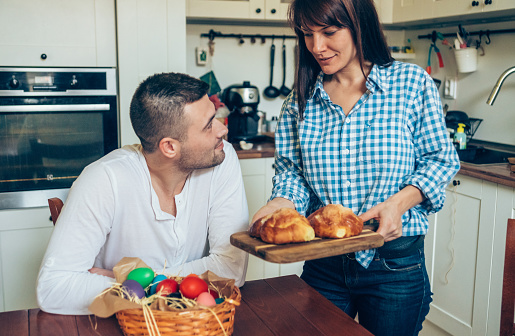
x=271 y=91
x=285 y=91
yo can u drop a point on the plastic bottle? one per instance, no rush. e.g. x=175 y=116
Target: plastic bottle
x=272 y=124
x=460 y=138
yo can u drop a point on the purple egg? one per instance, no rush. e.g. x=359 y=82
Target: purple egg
x=133 y=288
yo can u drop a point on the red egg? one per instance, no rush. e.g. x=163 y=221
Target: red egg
x=214 y=293
x=191 y=287
x=166 y=287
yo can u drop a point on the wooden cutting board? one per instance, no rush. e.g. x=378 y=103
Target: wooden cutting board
x=315 y=249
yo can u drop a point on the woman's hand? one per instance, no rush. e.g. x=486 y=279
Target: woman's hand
x=389 y=213
x=101 y=271
x=271 y=206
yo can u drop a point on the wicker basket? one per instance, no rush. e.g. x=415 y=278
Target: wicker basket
x=183 y=323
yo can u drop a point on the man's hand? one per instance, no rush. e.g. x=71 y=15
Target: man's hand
x=101 y=271
x=271 y=206
x=389 y=213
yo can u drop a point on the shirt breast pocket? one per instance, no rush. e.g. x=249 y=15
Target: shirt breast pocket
x=386 y=141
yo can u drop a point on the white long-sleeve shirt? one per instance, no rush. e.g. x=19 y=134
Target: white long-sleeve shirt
x=112 y=212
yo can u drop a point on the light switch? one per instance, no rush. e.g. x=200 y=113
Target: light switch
x=449 y=88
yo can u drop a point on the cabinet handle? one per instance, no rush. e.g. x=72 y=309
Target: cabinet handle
x=43 y=56
x=488 y=2
x=456 y=182
x=273 y=11
x=273 y=165
x=258 y=10
x=475 y=3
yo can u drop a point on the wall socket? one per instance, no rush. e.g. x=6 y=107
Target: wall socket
x=449 y=88
x=202 y=55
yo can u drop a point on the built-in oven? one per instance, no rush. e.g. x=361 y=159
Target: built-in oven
x=53 y=123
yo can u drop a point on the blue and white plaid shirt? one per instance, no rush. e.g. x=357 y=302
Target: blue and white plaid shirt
x=394 y=136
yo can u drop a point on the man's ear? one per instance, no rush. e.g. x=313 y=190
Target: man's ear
x=169 y=147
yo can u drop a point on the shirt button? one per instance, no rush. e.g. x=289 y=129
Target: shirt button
x=347 y=121
x=347 y=183
x=346 y=151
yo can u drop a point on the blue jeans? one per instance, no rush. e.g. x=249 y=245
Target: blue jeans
x=391 y=297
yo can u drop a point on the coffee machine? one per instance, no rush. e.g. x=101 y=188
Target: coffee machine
x=243 y=120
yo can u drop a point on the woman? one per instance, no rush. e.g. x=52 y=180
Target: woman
x=365 y=131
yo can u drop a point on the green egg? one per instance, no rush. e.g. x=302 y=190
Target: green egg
x=143 y=275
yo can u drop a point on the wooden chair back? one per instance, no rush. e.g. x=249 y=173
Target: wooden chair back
x=55 y=204
x=508 y=283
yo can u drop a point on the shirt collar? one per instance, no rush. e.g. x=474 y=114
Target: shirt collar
x=377 y=80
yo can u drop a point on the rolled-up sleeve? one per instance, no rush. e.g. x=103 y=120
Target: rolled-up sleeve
x=437 y=161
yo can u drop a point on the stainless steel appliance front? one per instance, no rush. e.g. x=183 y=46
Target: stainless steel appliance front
x=53 y=123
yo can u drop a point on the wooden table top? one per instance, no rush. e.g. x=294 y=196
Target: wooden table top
x=277 y=306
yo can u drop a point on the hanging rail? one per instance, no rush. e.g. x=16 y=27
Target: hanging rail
x=481 y=33
x=213 y=34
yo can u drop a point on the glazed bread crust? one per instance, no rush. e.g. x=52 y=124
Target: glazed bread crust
x=283 y=226
x=335 y=221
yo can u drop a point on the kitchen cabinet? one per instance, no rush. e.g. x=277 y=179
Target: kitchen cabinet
x=410 y=10
x=465 y=257
x=384 y=10
x=257 y=178
x=151 y=39
x=24 y=236
x=58 y=33
x=415 y=10
x=445 y=8
x=238 y=9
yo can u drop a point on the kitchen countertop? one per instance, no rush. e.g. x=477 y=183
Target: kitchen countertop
x=496 y=173
x=262 y=149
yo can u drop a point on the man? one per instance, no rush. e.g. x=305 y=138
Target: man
x=172 y=201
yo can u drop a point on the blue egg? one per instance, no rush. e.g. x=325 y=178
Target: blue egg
x=219 y=300
x=155 y=282
x=133 y=288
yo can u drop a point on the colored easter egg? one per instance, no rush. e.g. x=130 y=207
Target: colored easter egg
x=166 y=287
x=155 y=282
x=143 y=275
x=206 y=299
x=219 y=300
x=191 y=287
x=132 y=288
x=213 y=293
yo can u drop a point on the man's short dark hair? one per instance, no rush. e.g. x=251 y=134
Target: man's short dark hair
x=157 y=107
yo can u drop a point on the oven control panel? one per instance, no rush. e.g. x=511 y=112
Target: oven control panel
x=23 y=81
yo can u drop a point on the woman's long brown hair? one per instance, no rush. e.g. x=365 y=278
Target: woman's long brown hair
x=359 y=16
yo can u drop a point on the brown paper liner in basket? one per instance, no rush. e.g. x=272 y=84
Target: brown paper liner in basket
x=183 y=323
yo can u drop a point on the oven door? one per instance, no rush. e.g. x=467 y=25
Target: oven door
x=45 y=143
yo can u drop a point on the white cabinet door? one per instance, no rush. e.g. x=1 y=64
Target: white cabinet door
x=238 y=9
x=257 y=177
x=459 y=254
x=411 y=10
x=443 y=8
x=226 y=9
x=58 y=33
x=24 y=236
x=254 y=173
x=384 y=10
x=277 y=9
x=454 y=8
